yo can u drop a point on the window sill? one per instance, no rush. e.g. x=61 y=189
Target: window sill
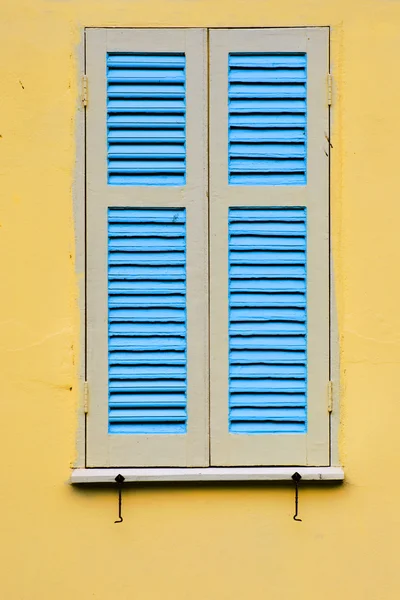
x=209 y=474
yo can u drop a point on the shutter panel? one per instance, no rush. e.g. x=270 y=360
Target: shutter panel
x=269 y=247
x=147 y=321
x=267 y=119
x=146 y=118
x=267 y=320
x=147 y=303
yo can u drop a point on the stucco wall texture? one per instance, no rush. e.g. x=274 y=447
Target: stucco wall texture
x=190 y=542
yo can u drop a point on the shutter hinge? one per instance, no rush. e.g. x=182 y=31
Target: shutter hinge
x=329 y=88
x=330 y=397
x=84 y=90
x=85 y=397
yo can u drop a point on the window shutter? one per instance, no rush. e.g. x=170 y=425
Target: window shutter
x=269 y=247
x=147 y=304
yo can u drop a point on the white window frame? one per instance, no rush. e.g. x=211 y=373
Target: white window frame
x=82 y=474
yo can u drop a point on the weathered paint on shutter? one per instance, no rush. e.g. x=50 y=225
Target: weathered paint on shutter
x=146 y=116
x=267 y=118
x=267 y=320
x=147 y=321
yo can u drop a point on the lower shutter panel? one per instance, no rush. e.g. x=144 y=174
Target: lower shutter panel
x=267 y=320
x=147 y=321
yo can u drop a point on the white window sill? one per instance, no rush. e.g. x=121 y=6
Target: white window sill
x=186 y=475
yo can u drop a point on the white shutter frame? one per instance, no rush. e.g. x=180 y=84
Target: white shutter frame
x=190 y=449
x=311 y=448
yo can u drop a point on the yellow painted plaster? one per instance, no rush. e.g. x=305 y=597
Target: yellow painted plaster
x=188 y=542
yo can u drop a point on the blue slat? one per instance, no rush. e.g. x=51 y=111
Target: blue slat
x=267 y=126
x=272 y=61
x=147 y=321
x=146 y=119
x=162 y=60
x=267 y=321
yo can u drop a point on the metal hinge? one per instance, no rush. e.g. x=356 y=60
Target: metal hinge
x=329 y=88
x=330 y=397
x=84 y=90
x=85 y=397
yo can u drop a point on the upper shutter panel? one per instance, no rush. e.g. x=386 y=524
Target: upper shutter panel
x=147 y=296
x=267 y=118
x=269 y=262
x=146 y=116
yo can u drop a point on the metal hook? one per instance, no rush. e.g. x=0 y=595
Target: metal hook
x=329 y=141
x=120 y=480
x=296 y=478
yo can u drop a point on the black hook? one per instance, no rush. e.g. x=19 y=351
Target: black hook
x=120 y=480
x=296 y=478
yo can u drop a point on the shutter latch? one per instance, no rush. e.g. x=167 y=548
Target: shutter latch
x=119 y=480
x=296 y=478
x=84 y=90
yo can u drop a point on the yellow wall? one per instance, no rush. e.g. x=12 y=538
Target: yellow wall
x=176 y=542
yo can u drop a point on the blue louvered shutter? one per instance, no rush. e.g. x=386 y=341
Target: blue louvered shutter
x=269 y=247
x=146 y=117
x=147 y=328
x=267 y=320
x=147 y=315
x=267 y=118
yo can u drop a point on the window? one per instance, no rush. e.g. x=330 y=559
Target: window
x=207 y=240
